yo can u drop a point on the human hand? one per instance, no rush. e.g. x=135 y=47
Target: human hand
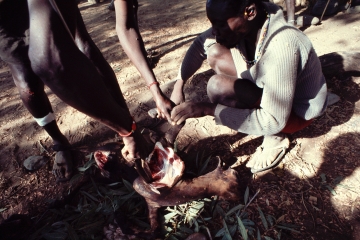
x=164 y=106
x=191 y=110
x=135 y=147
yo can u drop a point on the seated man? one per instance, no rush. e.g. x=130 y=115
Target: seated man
x=54 y=48
x=268 y=77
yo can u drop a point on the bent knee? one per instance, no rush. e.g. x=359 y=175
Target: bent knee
x=214 y=88
x=214 y=53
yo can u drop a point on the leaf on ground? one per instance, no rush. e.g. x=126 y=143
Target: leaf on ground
x=258 y=235
x=234 y=209
x=331 y=190
x=246 y=195
x=268 y=238
x=263 y=219
x=242 y=228
x=323 y=177
x=287 y=228
x=226 y=233
x=186 y=230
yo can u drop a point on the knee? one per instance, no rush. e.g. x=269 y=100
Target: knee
x=214 y=88
x=213 y=54
x=26 y=80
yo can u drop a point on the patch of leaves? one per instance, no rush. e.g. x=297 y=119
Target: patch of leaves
x=96 y=207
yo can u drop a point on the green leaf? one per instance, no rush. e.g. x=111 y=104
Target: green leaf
x=196 y=226
x=114 y=184
x=227 y=233
x=75 y=178
x=186 y=230
x=219 y=210
x=279 y=235
x=128 y=185
x=258 y=235
x=263 y=219
x=323 y=177
x=171 y=237
x=220 y=233
x=246 y=195
x=197 y=160
x=2 y=209
x=175 y=146
x=242 y=229
x=331 y=190
x=71 y=232
x=268 y=238
x=234 y=209
x=54 y=236
x=248 y=222
x=96 y=188
x=87 y=165
x=287 y=228
x=92 y=225
x=232 y=229
x=270 y=219
x=90 y=196
x=204 y=166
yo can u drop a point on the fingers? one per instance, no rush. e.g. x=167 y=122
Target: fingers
x=178 y=115
x=129 y=156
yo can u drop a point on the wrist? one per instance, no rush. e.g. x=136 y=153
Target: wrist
x=129 y=133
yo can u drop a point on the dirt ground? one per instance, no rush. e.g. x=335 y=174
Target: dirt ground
x=316 y=186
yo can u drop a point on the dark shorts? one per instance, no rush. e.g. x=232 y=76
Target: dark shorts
x=14 y=25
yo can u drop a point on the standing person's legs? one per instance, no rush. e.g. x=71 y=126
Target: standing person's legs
x=14 y=24
x=71 y=75
x=67 y=71
x=88 y=47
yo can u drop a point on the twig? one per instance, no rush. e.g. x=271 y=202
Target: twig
x=302 y=197
x=257 y=192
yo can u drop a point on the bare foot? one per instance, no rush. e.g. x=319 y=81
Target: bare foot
x=63 y=166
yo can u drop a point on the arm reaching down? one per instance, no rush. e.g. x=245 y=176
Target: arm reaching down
x=133 y=45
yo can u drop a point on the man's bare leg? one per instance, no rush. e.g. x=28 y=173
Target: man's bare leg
x=31 y=90
x=67 y=71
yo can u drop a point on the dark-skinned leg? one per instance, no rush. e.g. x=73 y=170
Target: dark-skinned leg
x=31 y=90
x=70 y=74
x=67 y=71
x=88 y=47
x=224 y=87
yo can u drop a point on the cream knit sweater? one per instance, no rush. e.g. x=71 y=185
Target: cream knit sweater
x=288 y=71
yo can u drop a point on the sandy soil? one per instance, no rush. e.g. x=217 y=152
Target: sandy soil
x=330 y=146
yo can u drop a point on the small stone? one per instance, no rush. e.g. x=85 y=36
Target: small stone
x=34 y=163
